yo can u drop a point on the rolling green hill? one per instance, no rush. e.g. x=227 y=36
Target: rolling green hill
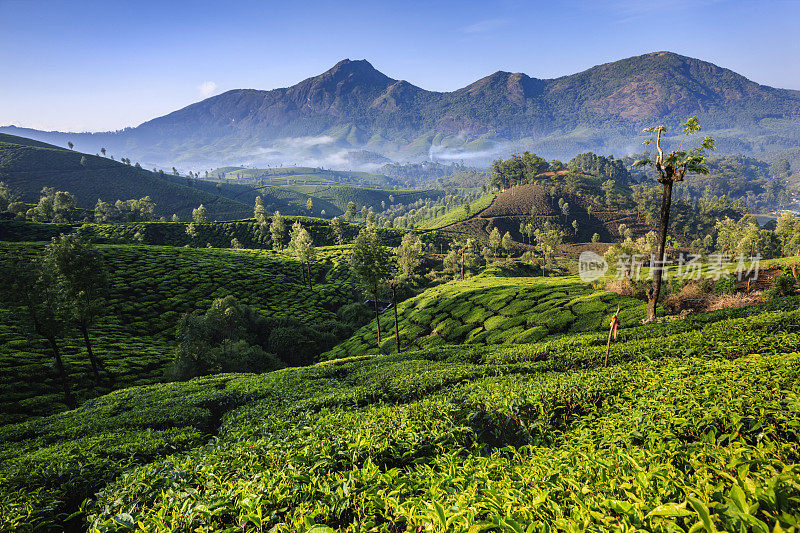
x=27 y=166
x=494 y=309
x=150 y=288
x=693 y=426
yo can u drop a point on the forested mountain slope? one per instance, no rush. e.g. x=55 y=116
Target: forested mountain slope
x=353 y=110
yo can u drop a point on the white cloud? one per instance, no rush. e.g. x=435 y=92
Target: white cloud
x=207 y=88
x=484 y=26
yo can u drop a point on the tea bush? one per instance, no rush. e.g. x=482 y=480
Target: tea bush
x=694 y=426
x=491 y=309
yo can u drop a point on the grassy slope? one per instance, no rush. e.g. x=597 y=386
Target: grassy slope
x=28 y=166
x=457 y=214
x=341 y=195
x=303 y=175
x=694 y=424
x=490 y=309
x=150 y=287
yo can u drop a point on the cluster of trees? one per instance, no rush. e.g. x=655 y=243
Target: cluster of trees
x=141 y=210
x=53 y=206
x=233 y=337
x=61 y=207
x=527 y=168
x=607 y=168
x=375 y=269
x=62 y=288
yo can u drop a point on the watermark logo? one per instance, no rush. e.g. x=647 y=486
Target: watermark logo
x=687 y=267
x=591 y=266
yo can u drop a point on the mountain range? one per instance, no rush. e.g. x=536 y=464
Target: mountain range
x=355 y=116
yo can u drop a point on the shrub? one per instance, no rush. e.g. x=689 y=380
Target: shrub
x=783 y=285
x=726 y=285
x=356 y=314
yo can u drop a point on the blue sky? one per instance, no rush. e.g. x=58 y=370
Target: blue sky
x=91 y=66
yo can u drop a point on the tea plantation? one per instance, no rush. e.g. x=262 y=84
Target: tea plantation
x=492 y=309
x=216 y=234
x=150 y=288
x=693 y=426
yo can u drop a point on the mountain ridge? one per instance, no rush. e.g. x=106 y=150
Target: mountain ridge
x=353 y=106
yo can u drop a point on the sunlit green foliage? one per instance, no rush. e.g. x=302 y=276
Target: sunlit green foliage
x=492 y=309
x=692 y=427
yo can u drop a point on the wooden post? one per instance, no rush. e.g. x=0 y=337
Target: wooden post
x=612 y=333
x=393 y=285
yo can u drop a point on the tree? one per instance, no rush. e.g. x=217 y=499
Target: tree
x=608 y=190
x=259 y=213
x=507 y=243
x=228 y=337
x=82 y=269
x=338 y=230
x=565 y=210
x=175 y=217
x=310 y=206
x=350 y=212
x=596 y=237
x=70 y=145
x=7 y=197
x=409 y=255
x=575 y=226
x=371 y=265
x=277 y=229
x=54 y=206
x=671 y=168
x=40 y=291
x=494 y=241
x=364 y=212
x=200 y=215
x=303 y=247
x=788 y=231
x=103 y=151
x=191 y=230
x=548 y=239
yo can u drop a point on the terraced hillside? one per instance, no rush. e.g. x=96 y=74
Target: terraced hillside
x=692 y=427
x=491 y=309
x=530 y=202
x=150 y=288
x=457 y=214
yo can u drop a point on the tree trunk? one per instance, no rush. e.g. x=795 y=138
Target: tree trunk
x=658 y=265
x=462 y=265
x=396 y=328
x=69 y=399
x=92 y=359
x=310 y=281
x=377 y=318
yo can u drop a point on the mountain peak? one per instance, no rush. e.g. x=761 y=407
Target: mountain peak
x=346 y=67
